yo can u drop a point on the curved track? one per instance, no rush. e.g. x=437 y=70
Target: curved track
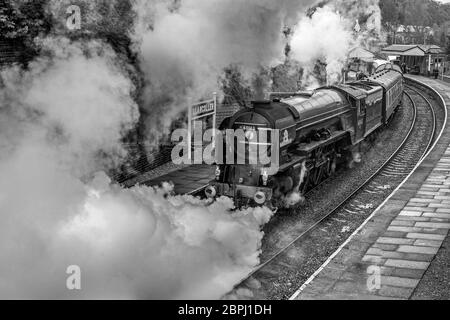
x=393 y=171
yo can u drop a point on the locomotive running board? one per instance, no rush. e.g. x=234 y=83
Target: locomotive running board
x=305 y=149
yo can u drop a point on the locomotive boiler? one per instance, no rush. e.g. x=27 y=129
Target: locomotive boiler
x=318 y=131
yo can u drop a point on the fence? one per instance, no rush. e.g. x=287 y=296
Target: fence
x=11 y=51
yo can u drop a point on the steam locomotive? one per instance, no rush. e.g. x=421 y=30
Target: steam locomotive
x=318 y=131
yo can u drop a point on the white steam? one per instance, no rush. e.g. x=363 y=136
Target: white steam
x=77 y=98
x=329 y=34
x=185 y=45
x=324 y=37
x=61 y=123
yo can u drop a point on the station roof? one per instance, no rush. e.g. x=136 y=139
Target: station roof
x=361 y=53
x=412 y=50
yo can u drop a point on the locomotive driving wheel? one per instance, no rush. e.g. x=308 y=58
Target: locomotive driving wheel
x=316 y=175
x=305 y=185
x=318 y=172
x=330 y=166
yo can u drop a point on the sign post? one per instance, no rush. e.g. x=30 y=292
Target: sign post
x=189 y=137
x=200 y=112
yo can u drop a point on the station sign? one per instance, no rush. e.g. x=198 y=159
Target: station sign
x=205 y=113
x=203 y=108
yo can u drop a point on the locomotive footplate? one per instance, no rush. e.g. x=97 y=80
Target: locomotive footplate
x=242 y=193
x=305 y=149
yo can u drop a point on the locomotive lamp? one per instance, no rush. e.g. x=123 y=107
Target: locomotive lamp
x=260 y=197
x=218 y=172
x=265 y=177
x=210 y=192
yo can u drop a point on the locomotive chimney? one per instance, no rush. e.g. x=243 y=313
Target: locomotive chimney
x=253 y=104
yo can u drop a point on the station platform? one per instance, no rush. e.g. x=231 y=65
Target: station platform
x=187 y=180
x=402 y=248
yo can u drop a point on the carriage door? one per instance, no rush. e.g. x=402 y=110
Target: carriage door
x=363 y=116
x=360 y=106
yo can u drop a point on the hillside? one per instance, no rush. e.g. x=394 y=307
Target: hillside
x=419 y=21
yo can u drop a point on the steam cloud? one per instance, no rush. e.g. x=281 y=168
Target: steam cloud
x=323 y=36
x=185 y=45
x=328 y=35
x=62 y=122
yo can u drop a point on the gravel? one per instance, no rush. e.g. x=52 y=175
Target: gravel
x=435 y=285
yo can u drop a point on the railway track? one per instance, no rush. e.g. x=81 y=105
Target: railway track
x=359 y=203
x=425 y=123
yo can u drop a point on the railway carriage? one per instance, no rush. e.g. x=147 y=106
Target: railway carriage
x=319 y=130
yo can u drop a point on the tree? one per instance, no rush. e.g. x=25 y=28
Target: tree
x=234 y=86
x=447 y=48
x=420 y=14
x=443 y=40
x=391 y=18
x=21 y=22
x=23 y=19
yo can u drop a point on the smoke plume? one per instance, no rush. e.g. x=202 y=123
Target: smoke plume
x=61 y=124
x=328 y=34
x=185 y=45
x=324 y=37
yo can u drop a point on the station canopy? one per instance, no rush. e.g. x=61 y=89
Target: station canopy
x=379 y=62
x=412 y=50
x=362 y=54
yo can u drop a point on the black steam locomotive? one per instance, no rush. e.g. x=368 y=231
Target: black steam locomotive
x=319 y=130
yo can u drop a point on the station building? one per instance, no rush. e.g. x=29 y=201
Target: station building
x=361 y=60
x=418 y=59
